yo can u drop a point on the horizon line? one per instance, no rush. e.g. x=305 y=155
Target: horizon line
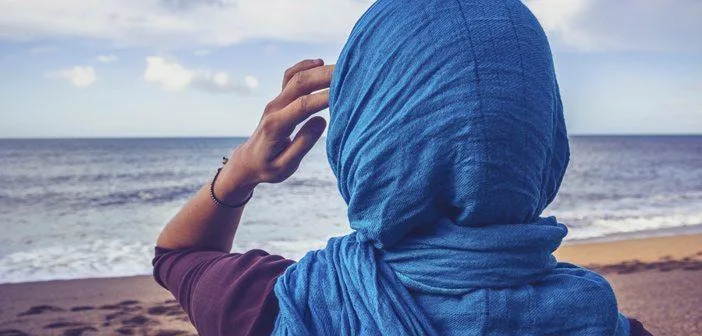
x=146 y=137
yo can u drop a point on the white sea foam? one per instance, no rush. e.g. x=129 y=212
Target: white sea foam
x=644 y=226
x=97 y=259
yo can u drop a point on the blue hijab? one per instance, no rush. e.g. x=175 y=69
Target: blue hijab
x=448 y=141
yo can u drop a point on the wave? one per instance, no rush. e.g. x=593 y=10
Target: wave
x=155 y=195
x=99 y=259
x=642 y=225
x=81 y=198
x=116 y=258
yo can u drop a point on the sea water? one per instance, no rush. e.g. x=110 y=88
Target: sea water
x=75 y=208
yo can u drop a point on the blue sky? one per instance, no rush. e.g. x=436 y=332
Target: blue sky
x=111 y=68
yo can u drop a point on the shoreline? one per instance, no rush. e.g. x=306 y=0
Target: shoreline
x=675 y=231
x=655 y=279
x=649 y=249
x=690 y=230
x=570 y=251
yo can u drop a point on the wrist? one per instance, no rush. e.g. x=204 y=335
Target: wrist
x=231 y=187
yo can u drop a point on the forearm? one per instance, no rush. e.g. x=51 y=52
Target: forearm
x=268 y=156
x=202 y=224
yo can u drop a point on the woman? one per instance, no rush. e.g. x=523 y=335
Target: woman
x=448 y=141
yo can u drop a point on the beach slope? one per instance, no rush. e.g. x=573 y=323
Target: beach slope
x=656 y=281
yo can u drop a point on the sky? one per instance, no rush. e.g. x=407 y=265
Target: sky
x=152 y=68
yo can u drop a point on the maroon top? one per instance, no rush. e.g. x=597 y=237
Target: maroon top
x=223 y=294
x=232 y=294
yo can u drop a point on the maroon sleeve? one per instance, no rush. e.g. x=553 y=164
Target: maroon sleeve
x=637 y=329
x=223 y=294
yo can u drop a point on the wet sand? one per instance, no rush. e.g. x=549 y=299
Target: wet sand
x=114 y=306
x=657 y=280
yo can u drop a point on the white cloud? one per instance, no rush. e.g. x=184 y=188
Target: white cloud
x=621 y=25
x=178 y=23
x=557 y=17
x=173 y=76
x=580 y=25
x=251 y=82
x=106 y=58
x=202 y=52
x=80 y=76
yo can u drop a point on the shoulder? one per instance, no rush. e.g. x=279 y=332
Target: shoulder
x=223 y=293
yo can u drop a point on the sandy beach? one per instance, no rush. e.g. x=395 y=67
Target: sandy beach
x=656 y=281
x=111 y=306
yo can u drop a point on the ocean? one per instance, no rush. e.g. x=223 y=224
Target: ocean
x=76 y=208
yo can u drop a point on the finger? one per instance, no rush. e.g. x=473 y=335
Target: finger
x=301 y=109
x=303 y=83
x=303 y=142
x=300 y=66
x=280 y=124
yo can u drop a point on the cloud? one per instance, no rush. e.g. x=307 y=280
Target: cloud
x=578 y=25
x=80 y=76
x=173 y=76
x=106 y=58
x=196 y=24
x=202 y=52
x=622 y=25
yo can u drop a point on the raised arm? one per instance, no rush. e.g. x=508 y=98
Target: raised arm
x=269 y=155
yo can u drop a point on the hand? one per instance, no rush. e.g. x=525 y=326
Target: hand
x=269 y=155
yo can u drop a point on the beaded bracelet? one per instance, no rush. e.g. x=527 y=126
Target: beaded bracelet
x=221 y=203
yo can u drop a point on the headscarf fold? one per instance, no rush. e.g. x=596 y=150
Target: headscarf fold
x=448 y=141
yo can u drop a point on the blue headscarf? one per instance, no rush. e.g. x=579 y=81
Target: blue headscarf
x=448 y=141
